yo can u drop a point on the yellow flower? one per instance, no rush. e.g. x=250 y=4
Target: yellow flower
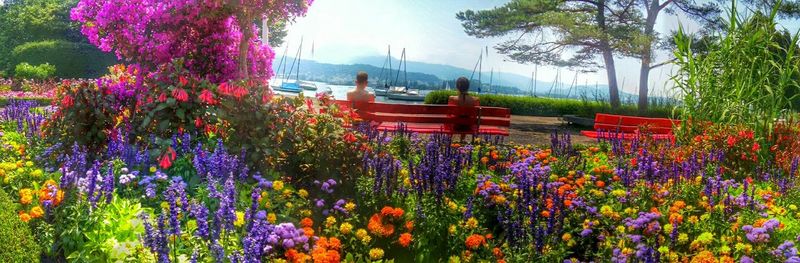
x=682 y=238
x=302 y=193
x=345 y=228
x=472 y=223
x=305 y=212
x=366 y=240
x=792 y=207
x=277 y=185
x=606 y=211
x=452 y=229
x=454 y=259
x=668 y=229
x=566 y=237
x=330 y=221
x=350 y=206
x=272 y=218
x=239 y=219
x=376 y=253
x=37 y=173
x=452 y=206
x=289 y=205
x=28 y=164
x=620 y=229
x=152 y=169
x=361 y=233
x=618 y=193
x=287 y=193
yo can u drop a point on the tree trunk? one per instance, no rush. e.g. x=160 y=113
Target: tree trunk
x=611 y=73
x=246 y=26
x=608 y=55
x=647 y=54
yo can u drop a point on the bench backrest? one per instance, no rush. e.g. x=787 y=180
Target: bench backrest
x=441 y=114
x=630 y=124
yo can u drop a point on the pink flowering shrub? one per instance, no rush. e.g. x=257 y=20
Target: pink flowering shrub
x=207 y=34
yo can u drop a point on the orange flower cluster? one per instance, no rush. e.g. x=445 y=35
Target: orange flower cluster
x=405 y=239
x=326 y=250
x=475 y=241
x=376 y=223
x=308 y=226
x=47 y=193
x=292 y=255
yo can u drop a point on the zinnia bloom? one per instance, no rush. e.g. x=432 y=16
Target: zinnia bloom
x=376 y=253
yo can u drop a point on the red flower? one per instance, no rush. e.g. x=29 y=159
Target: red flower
x=67 y=101
x=207 y=97
x=183 y=81
x=350 y=137
x=180 y=95
x=162 y=98
x=167 y=158
x=310 y=105
x=756 y=147
x=731 y=141
x=405 y=239
x=198 y=122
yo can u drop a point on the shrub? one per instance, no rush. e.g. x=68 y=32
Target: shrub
x=18 y=243
x=520 y=105
x=27 y=71
x=72 y=60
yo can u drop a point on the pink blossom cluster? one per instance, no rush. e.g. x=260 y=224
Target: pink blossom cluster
x=204 y=33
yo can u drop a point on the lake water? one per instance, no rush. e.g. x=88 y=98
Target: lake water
x=340 y=93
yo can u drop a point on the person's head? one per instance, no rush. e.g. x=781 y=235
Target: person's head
x=462 y=85
x=362 y=79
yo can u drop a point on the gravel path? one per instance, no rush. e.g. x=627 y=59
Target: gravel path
x=536 y=130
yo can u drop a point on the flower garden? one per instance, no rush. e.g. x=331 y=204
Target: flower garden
x=184 y=155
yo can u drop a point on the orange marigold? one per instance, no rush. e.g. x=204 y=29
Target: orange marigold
x=25 y=217
x=704 y=257
x=387 y=211
x=410 y=225
x=405 y=239
x=334 y=243
x=475 y=241
x=307 y=222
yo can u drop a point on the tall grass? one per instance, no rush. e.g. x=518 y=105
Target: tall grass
x=743 y=79
x=537 y=106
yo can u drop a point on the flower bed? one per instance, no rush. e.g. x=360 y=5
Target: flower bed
x=401 y=197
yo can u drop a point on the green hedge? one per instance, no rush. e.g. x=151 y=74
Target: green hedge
x=72 y=60
x=534 y=106
x=17 y=242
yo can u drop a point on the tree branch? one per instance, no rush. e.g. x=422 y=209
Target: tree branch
x=664 y=5
x=662 y=64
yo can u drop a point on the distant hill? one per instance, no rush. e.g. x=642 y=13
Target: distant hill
x=433 y=76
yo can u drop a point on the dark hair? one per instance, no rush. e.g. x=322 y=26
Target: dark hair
x=362 y=77
x=462 y=85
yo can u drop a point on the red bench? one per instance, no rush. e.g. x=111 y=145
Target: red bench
x=432 y=118
x=609 y=126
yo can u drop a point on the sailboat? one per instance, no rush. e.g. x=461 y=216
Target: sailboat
x=382 y=90
x=403 y=92
x=276 y=83
x=293 y=86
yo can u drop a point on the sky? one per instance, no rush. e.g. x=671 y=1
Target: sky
x=342 y=30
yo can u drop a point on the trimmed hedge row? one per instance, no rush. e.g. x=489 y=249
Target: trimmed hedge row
x=18 y=245
x=72 y=60
x=534 y=106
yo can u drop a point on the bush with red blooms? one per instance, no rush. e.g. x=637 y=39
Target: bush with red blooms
x=739 y=147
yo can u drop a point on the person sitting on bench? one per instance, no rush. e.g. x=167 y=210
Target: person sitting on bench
x=464 y=101
x=360 y=93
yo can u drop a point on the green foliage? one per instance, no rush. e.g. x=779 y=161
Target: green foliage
x=18 y=244
x=112 y=233
x=744 y=79
x=73 y=60
x=535 y=106
x=34 y=20
x=85 y=122
x=40 y=72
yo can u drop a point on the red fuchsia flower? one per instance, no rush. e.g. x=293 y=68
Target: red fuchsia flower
x=207 y=97
x=67 y=101
x=183 y=81
x=756 y=147
x=167 y=158
x=162 y=98
x=310 y=105
x=180 y=95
